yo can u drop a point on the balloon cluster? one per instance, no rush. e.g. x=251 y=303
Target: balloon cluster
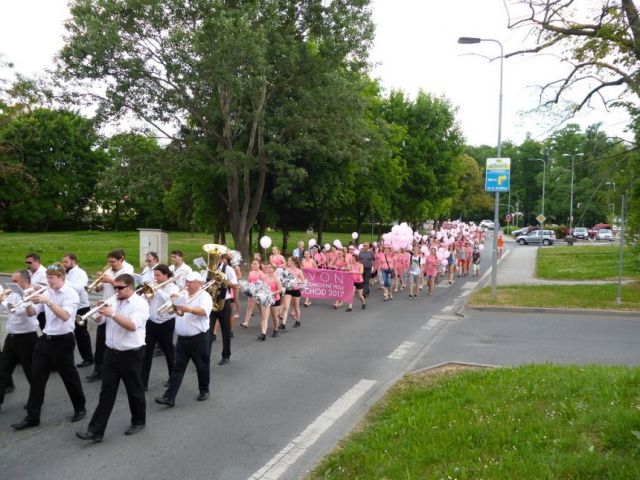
x=400 y=236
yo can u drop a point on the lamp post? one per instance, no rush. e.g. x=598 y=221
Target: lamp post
x=544 y=176
x=496 y=210
x=613 y=208
x=573 y=158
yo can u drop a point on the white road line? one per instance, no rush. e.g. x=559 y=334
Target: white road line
x=448 y=308
x=279 y=464
x=401 y=351
x=433 y=322
x=469 y=285
x=466 y=293
x=446 y=317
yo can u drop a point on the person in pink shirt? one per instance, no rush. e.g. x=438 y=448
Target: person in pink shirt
x=310 y=264
x=273 y=282
x=377 y=263
x=358 y=280
x=331 y=257
x=255 y=274
x=402 y=264
x=431 y=269
x=338 y=263
x=319 y=257
x=292 y=296
x=276 y=259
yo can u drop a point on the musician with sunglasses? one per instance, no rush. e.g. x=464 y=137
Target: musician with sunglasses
x=55 y=347
x=125 y=320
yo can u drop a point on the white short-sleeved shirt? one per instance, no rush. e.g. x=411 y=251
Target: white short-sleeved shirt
x=78 y=279
x=189 y=324
x=39 y=277
x=135 y=308
x=147 y=274
x=68 y=299
x=182 y=272
x=19 y=321
x=108 y=290
x=231 y=278
x=158 y=299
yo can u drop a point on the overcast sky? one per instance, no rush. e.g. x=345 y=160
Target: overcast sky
x=416 y=48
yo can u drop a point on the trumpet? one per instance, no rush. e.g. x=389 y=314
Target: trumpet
x=97 y=283
x=149 y=290
x=25 y=302
x=169 y=306
x=93 y=314
x=4 y=292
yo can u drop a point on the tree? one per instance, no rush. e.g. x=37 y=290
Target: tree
x=474 y=202
x=58 y=150
x=227 y=72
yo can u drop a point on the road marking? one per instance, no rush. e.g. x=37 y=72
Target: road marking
x=433 y=322
x=443 y=285
x=401 y=351
x=448 y=308
x=279 y=464
x=466 y=293
x=469 y=285
x=446 y=317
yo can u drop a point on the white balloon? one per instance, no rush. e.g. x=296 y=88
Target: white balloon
x=265 y=242
x=312 y=242
x=480 y=247
x=424 y=249
x=327 y=247
x=337 y=243
x=354 y=235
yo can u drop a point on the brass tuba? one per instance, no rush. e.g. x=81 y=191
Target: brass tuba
x=216 y=279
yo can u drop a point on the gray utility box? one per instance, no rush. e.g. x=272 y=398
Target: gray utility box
x=154 y=240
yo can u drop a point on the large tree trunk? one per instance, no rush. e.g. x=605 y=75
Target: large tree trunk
x=320 y=226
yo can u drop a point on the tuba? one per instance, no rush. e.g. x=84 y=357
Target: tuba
x=216 y=280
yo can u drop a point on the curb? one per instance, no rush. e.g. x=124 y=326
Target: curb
x=454 y=362
x=580 y=311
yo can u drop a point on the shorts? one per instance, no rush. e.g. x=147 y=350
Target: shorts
x=278 y=303
x=359 y=286
x=294 y=293
x=415 y=277
x=476 y=267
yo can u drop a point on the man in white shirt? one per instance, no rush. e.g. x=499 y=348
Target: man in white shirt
x=160 y=327
x=54 y=349
x=299 y=252
x=152 y=261
x=77 y=278
x=21 y=334
x=224 y=315
x=180 y=269
x=115 y=259
x=125 y=320
x=38 y=277
x=192 y=329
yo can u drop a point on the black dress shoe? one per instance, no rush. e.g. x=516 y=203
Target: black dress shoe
x=94 y=437
x=26 y=423
x=165 y=401
x=283 y=326
x=274 y=333
x=203 y=396
x=262 y=337
x=297 y=324
x=84 y=363
x=93 y=377
x=133 y=429
x=77 y=416
x=223 y=361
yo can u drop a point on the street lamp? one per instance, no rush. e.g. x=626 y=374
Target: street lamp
x=573 y=158
x=496 y=209
x=544 y=176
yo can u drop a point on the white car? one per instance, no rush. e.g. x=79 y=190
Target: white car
x=488 y=224
x=604 y=234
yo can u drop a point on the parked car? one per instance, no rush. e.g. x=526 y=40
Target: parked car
x=581 y=232
x=524 y=231
x=546 y=237
x=604 y=234
x=488 y=224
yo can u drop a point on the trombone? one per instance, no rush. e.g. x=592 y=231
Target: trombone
x=97 y=283
x=169 y=306
x=93 y=314
x=149 y=290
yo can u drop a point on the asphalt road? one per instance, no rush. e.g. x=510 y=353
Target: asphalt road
x=280 y=405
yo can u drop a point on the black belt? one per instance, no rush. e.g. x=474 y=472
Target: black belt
x=125 y=351
x=192 y=336
x=13 y=335
x=56 y=337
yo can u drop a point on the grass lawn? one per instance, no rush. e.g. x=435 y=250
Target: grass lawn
x=586 y=263
x=92 y=247
x=561 y=296
x=532 y=422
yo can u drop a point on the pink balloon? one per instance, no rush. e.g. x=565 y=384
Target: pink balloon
x=443 y=263
x=447 y=254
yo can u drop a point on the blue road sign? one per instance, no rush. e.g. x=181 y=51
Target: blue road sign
x=497 y=175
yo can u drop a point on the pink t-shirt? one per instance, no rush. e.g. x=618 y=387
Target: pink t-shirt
x=432 y=265
x=255 y=275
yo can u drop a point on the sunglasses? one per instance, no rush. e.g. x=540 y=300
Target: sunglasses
x=28 y=263
x=120 y=287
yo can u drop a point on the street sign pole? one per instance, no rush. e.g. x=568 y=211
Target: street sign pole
x=497 y=179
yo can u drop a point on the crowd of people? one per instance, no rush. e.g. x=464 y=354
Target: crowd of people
x=171 y=309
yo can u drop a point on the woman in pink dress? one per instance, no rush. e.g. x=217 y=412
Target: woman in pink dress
x=275 y=286
x=276 y=259
x=319 y=258
x=292 y=296
x=431 y=269
x=255 y=274
x=310 y=264
x=339 y=263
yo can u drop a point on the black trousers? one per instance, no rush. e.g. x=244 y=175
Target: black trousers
x=224 y=318
x=42 y=320
x=162 y=334
x=54 y=352
x=83 y=339
x=101 y=343
x=126 y=366
x=18 y=348
x=367 y=278
x=195 y=348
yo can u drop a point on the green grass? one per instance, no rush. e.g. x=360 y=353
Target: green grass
x=586 y=263
x=599 y=297
x=532 y=422
x=92 y=247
